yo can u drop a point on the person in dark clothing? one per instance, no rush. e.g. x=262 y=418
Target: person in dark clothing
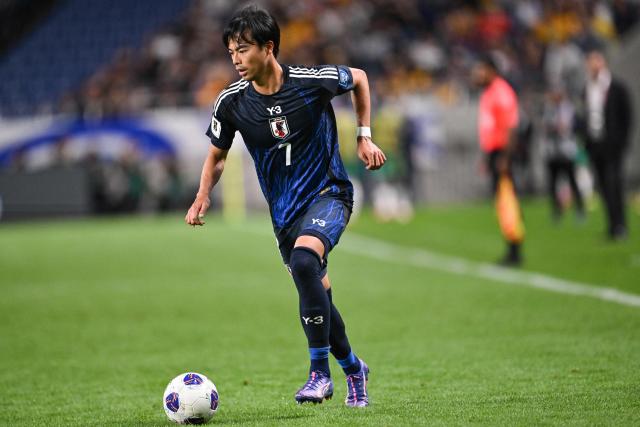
x=607 y=126
x=561 y=149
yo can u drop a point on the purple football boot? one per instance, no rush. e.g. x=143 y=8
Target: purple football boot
x=357 y=396
x=317 y=388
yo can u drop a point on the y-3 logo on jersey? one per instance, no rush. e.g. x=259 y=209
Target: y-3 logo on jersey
x=274 y=110
x=279 y=127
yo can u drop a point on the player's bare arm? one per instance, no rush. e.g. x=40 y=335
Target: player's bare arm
x=368 y=152
x=211 y=172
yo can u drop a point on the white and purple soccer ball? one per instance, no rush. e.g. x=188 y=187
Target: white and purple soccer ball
x=190 y=398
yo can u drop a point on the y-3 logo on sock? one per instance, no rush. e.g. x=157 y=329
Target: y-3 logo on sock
x=318 y=320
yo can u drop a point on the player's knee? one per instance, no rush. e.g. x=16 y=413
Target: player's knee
x=305 y=263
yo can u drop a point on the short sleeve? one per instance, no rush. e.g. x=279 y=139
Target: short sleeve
x=335 y=79
x=221 y=131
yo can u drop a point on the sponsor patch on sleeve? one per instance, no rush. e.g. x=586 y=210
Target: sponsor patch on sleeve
x=344 y=77
x=216 y=127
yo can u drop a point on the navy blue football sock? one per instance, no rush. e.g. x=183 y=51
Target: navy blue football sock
x=350 y=364
x=315 y=309
x=320 y=359
x=340 y=347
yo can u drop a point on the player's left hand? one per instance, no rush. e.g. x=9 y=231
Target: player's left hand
x=370 y=153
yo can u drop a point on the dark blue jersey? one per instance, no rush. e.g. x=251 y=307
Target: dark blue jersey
x=291 y=136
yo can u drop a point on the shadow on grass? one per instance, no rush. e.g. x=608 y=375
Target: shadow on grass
x=258 y=417
x=254 y=416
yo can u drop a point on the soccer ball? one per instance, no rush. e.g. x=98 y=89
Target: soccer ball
x=190 y=398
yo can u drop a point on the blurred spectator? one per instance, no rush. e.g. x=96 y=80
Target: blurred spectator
x=625 y=15
x=522 y=158
x=129 y=163
x=163 y=183
x=407 y=47
x=607 y=124
x=18 y=161
x=96 y=178
x=62 y=157
x=561 y=149
x=564 y=66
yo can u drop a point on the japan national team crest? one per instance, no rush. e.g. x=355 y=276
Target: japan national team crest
x=279 y=127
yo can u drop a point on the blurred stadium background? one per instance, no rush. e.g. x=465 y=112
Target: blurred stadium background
x=104 y=103
x=103 y=108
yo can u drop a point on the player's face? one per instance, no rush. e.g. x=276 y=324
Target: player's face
x=248 y=58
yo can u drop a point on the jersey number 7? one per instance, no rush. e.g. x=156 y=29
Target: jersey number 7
x=287 y=146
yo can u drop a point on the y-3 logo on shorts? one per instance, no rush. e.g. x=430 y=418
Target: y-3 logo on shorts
x=318 y=320
x=320 y=222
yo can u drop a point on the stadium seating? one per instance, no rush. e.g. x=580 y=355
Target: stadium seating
x=73 y=42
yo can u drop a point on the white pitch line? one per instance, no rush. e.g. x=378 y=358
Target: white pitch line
x=421 y=258
x=392 y=253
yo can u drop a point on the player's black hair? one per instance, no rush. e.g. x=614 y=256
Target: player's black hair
x=253 y=24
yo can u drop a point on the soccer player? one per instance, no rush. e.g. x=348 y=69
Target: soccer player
x=284 y=115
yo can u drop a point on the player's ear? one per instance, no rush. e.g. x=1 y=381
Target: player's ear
x=268 y=46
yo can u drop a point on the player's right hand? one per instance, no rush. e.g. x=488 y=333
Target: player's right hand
x=195 y=215
x=372 y=156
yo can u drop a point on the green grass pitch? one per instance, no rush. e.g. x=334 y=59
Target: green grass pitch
x=97 y=315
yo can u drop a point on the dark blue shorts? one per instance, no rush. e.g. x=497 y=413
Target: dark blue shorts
x=326 y=218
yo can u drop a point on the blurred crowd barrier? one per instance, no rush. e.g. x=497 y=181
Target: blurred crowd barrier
x=62 y=165
x=151 y=162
